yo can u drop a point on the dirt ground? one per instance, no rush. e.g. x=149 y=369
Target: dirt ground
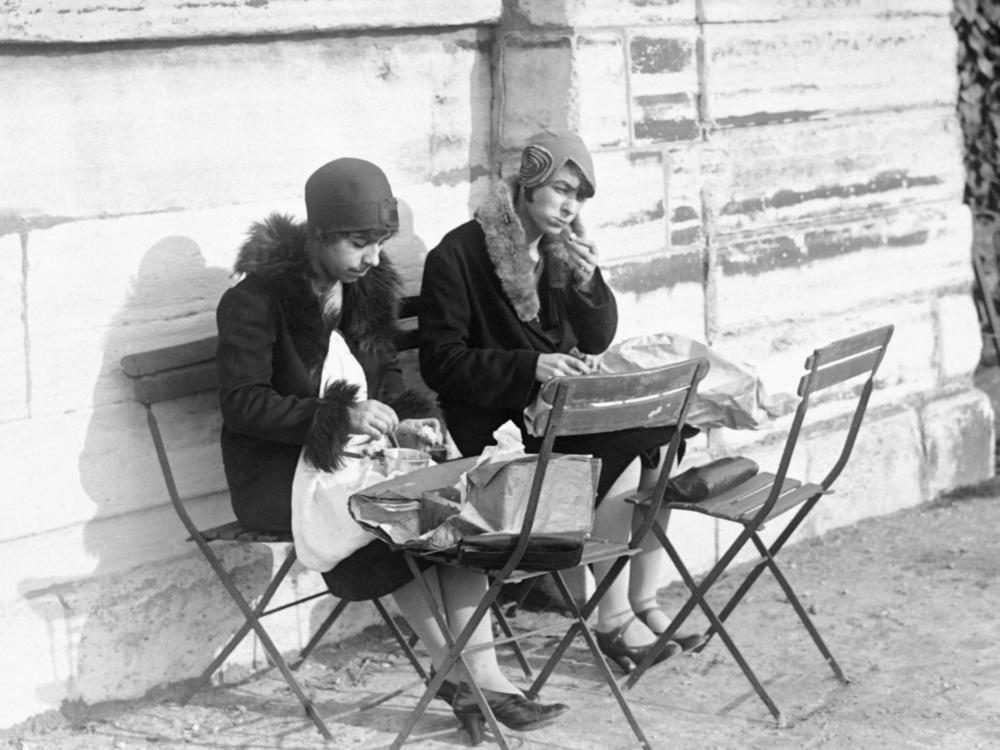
x=907 y=603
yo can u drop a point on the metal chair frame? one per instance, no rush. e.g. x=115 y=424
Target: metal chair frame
x=580 y=405
x=766 y=496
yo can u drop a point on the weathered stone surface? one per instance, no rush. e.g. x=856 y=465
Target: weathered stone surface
x=664 y=81
x=789 y=72
x=628 y=223
x=13 y=373
x=958 y=441
x=958 y=347
x=840 y=284
x=583 y=13
x=103 y=289
x=777 y=352
x=728 y=11
x=851 y=165
x=602 y=98
x=76 y=618
x=537 y=88
x=107 y=466
x=66 y=20
x=234 y=123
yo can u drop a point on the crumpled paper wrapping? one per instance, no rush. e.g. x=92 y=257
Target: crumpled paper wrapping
x=731 y=395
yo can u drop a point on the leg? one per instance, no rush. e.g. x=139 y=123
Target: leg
x=613 y=521
x=459 y=591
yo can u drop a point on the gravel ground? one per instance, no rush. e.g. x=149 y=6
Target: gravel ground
x=907 y=603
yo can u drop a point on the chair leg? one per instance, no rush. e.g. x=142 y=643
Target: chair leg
x=697 y=595
x=320 y=632
x=247 y=625
x=698 y=598
x=586 y=611
x=799 y=609
x=506 y=629
x=602 y=665
x=253 y=621
x=754 y=574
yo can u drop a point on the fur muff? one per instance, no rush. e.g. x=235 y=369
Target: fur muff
x=329 y=433
x=507 y=247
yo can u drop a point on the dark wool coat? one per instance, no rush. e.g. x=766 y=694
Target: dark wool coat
x=483 y=322
x=272 y=343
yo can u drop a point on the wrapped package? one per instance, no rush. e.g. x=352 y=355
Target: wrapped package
x=499 y=491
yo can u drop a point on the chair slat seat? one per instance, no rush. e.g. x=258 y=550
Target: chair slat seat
x=742 y=502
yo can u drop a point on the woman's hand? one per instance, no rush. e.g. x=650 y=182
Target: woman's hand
x=372 y=418
x=559 y=366
x=583 y=256
x=421 y=434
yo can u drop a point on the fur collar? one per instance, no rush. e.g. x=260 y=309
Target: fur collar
x=508 y=250
x=274 y=251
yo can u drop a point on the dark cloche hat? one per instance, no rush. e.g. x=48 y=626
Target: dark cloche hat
x=350 y=195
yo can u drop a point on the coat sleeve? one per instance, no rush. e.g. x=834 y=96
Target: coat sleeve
x=249 y=402
x=593 y=315
x=488 y=377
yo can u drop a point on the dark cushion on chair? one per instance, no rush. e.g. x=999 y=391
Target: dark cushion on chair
x=544 y=552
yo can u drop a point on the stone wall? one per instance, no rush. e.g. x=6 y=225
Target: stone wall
x=773 y=175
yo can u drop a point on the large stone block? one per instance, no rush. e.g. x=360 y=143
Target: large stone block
x=68 y=21
x=581 y=13
x=601 y=100
x=630 y=223
x=958 y=441
x=729 y=11
x=855 y=166
x=236 y=122
x=116 y=633
x=788 y=72
x=85 y=465
x=777 y=351
x=13 y=373
x=672 y=306
x=537 y=88
x=959 y=341
x=848 y=281
x=664 y=84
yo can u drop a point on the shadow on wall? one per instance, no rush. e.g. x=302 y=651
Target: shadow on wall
x=122 y=628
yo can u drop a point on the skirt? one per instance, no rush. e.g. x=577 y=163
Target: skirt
x=373 y=571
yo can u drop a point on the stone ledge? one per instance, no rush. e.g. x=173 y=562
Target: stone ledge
x=62 y=21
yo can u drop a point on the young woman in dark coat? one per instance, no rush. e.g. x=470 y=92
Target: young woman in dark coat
x=514 y=298
x=301 y=283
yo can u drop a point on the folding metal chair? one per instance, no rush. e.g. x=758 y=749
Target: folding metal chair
x=580 y=405
x=184 y=370
x=767 y=496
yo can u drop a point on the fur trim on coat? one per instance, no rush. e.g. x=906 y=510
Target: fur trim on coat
x=275 y=250
x=507 y=247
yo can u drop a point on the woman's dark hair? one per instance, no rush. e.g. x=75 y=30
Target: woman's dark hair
x=369 y=235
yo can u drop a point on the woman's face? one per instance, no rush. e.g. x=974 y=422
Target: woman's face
x=346 y=259
x=556 y=203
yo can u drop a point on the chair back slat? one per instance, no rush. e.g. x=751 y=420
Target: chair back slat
x=170 y=357
x=876 y=338
x=172 y=371
x=171 y=384
x=840 y=371
x=615 y=389
x=844 y=359
x=611 y=416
